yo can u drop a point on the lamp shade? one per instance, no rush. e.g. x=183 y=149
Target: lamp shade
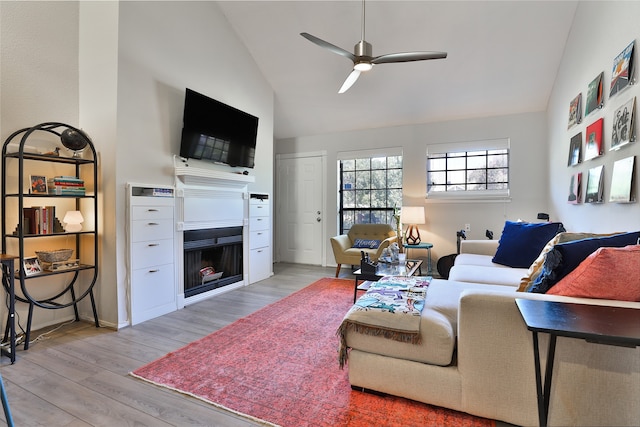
x=73 y=221
x=412 y=214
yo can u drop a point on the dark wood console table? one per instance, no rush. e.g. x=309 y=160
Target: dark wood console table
x=619 y=326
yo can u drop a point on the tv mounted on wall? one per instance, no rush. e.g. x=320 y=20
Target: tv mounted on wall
x=216 y=132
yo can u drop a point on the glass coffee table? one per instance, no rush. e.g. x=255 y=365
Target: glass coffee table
x=407 y=268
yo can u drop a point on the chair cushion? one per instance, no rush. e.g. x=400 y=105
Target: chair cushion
x=521 y=242
x=565 y=257
x=608 y=273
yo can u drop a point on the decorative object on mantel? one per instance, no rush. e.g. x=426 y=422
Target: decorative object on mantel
x=594 y=95
x=575 y=111
x=624 y=130
x=413 y=215
x=622 y=72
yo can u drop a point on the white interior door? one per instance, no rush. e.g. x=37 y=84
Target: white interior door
x=299 y=211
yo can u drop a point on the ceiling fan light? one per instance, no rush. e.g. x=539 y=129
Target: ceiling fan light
x=363 y=66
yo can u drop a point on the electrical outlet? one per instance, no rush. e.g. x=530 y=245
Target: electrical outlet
x=467 y=227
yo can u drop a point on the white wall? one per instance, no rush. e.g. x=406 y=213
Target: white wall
x=601 y=30
x=119 y=70
x=528 y=164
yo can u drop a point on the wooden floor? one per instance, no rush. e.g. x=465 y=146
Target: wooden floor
x=79 y=376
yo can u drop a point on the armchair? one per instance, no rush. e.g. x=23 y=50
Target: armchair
x=345 y=253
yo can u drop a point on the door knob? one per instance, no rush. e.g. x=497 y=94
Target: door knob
x=318 y=219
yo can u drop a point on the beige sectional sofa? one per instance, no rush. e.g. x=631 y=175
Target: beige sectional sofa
x=476 y=355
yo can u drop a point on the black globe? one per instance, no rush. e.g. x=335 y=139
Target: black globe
x=73 y=139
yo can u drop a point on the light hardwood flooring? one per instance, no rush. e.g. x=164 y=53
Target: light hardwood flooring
x=79 y=375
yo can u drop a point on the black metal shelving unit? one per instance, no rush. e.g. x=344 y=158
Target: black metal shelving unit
x=15 y=157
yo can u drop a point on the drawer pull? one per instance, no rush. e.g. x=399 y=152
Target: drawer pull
x=154 y=271
x=152 y=210
x=153 y=244
x=153 y=223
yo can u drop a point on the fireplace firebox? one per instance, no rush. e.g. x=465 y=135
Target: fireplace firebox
x=212 y=259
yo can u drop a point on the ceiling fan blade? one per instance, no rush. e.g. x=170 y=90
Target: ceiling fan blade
x=327 y=45
x=407 y=57
x=351 y=79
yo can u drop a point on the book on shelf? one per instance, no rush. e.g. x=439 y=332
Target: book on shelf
x=66 y=186
x=41 y=220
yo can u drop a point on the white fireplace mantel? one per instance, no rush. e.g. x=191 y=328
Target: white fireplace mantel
x=208 y=177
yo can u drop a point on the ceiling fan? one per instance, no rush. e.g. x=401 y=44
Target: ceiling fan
x=363 y=59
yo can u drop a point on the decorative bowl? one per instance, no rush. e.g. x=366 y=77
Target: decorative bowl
x=54 y=256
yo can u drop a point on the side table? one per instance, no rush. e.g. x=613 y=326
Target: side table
x=619 y=326
x=422 y=245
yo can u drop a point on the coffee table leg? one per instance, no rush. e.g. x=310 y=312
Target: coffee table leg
x=355 y=291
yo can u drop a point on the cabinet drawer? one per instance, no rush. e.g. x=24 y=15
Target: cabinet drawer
x=151 y=212
x=151 y=252
x=258 y=239
x=152 y=288
x=259 y=210
x=260 y=266
x=258 y=223
x=153 y=229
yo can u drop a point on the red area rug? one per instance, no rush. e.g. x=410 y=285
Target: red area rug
x=280 y=365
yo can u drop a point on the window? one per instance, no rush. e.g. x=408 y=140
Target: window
x=370 y=188
x=468 y=170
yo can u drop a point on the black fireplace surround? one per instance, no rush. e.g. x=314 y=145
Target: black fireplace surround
x=212 y=259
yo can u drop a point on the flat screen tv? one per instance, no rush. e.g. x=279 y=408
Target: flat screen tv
x=216 y=132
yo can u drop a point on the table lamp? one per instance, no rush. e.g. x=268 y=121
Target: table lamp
x=412 y=215
x=73 y=221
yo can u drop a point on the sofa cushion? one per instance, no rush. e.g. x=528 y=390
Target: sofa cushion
x=495 y=275
x=608 y=273
x=536 y=267
x=366 y=243
x=521 y=242
x=565 y=257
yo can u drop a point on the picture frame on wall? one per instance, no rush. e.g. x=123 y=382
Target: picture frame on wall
x=575 y=111
x=594 y=185
x=622 y=72
x=623 y=125
x=594 y=95
x=575 y=150
x=575 y=188
x=593 y=140
x=622 y=181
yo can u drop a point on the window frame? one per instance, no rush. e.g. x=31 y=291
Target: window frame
x=487 y=145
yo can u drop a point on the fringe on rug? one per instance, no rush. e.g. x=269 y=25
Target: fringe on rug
x=377 y=331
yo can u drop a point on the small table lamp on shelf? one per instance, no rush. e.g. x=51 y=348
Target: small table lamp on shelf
x=412 y=215
x=73 y=221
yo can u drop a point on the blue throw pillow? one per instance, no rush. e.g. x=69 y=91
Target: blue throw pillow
x=521 y=242
x=366 y=243
x=563 y=258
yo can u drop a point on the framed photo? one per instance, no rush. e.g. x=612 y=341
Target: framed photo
x=622 y=72
x=32 y=266
x=594 y=95
x=38 y=184
x=622 y=181
x=575 y=150
x=623 y=125
x=593 y=140
x=594 y=185
x=575 y=188
x=575 y=111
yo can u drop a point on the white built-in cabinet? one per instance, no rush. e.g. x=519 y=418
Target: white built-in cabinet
x=260 y=261
x=151 y=272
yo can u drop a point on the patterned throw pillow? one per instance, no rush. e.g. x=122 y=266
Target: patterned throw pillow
x=366 y=244
x=608 y=273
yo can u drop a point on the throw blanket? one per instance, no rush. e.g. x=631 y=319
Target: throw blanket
x=390 y=308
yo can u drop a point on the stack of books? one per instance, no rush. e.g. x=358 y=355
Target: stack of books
x=66 y=186
x=41 y=220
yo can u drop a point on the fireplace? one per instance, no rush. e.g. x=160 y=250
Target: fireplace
x=212 y=259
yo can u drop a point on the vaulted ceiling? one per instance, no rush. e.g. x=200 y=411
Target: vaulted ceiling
x=503 y=57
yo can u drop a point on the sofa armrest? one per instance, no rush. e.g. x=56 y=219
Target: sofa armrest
x=384 y=244
x=340 y=243
x=480 y=247
x=495 y=359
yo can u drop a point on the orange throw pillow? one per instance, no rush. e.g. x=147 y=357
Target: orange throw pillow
x=608 y=273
